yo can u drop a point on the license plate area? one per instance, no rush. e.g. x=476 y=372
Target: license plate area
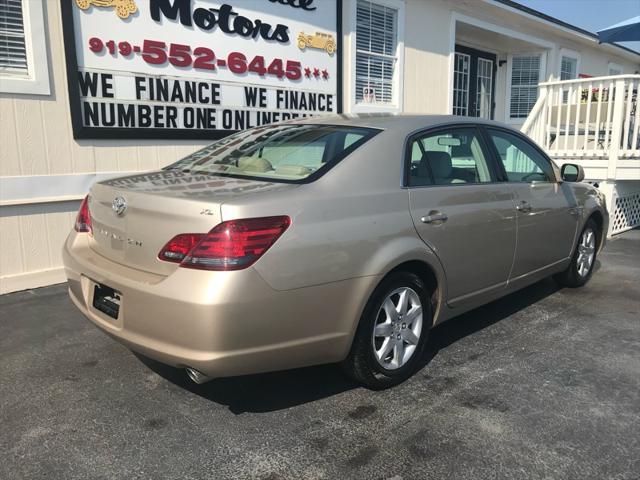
x=107 y=300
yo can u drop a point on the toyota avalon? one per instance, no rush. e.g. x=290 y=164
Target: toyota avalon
x=340 y=239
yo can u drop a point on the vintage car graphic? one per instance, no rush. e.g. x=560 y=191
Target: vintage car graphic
x=124 y=8
x=321 y=41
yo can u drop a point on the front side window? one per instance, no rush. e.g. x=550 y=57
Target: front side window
x=285 y=153
x=376 y=52
x=521 y=160
x=525 y=76
x=448 y=157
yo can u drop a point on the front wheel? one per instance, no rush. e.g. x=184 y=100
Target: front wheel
x=392 y=332
x=583 y=260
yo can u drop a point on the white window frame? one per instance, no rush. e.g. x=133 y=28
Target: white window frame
x=36 y=82
x=398 y=89
x=614 y=66
x=572 y=54
x=542 y=77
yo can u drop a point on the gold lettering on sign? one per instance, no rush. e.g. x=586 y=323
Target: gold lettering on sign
x=124 y=8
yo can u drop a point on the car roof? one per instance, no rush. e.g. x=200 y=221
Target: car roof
x=402 y=122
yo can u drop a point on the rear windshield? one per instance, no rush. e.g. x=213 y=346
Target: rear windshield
x=285 y=153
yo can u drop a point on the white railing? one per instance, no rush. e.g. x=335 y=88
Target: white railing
x=593 y=121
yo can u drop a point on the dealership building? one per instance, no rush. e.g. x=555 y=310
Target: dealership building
x=91 y=89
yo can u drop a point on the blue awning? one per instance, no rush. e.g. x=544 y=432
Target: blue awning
x=627 y=31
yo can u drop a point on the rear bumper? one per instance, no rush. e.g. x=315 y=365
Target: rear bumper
x=220 y=323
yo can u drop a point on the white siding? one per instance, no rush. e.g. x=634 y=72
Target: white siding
x=36 y=139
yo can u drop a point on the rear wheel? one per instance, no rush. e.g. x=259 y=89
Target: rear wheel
x=584 y=258
x=392 y=332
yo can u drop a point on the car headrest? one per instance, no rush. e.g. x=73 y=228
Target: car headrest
x=440 y=162
x=252 y=164
x=293 y=170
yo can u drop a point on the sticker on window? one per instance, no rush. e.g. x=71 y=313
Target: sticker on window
x=369 y=94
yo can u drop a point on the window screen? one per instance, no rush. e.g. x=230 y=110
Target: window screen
x=525 y=76
x=13 y=54
x=376 y=42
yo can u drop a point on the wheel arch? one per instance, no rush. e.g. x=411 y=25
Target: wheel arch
x=601 y=220
x=415 y=257
x=433 y=281
x=598 y=218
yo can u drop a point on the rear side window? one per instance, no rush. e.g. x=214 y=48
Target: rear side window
x=448 y=157
x=521 y=160
x=286 y=153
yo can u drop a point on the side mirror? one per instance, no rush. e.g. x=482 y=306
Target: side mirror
x=570 y=172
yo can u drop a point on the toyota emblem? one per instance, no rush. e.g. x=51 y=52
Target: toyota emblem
x=119 y=205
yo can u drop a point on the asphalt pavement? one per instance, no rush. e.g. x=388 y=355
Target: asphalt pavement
x=543 y=384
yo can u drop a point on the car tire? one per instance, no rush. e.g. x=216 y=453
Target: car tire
x=583 y=259
x=368 y=362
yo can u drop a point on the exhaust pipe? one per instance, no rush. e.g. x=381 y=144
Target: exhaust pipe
x=196 y=376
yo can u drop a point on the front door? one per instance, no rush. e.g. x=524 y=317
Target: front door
x=459 y=209
x=474 y=77
x=547 y=211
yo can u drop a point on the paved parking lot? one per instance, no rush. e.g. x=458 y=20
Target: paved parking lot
x=542 y=384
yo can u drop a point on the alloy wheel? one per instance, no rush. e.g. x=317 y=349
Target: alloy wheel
x=397 y=330
x=586 y=252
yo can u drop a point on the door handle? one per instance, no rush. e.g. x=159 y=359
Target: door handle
x=524 y=207
x=435 y=218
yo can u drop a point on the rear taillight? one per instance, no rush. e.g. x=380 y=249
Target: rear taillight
x=231 y=245
x=179 y=247
x=83 y=219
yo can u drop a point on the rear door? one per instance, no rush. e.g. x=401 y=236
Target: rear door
x=546 y=208
x=460 y=209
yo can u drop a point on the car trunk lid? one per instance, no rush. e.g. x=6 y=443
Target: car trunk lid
x=157 y=206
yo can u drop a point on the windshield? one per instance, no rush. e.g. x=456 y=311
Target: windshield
x=287 y=153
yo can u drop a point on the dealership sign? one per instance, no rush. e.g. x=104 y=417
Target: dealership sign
x=199 y=68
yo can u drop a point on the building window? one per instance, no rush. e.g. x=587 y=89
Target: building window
x=13 y=51
x=568 y=71
x=525 y=76
x=376 y=53
x=484 y=101
x=568 y=68
x=461 y=73
x=23 y=53
x=615 y=69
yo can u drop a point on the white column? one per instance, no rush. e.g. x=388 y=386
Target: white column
x=609 y=189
